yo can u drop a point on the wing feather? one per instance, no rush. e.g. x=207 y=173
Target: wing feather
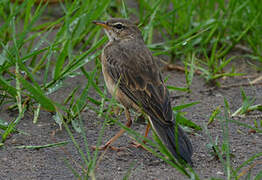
x=140 y=79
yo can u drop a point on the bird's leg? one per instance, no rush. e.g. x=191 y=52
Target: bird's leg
x=113 y=139
x=138 y=145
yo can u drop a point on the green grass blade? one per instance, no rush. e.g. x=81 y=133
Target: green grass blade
x=37 y=94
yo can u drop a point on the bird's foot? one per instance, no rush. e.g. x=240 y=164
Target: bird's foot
x=137 y=145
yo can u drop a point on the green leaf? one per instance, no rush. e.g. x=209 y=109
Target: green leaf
x=7 y=87
x=124 y=10
x=76 y=125
x=185 y=122
x=58 y=119
x=43 y=146
x=4 y=126
x=37 y=94
x=213 y=115
x=176 y=88
x=61 y=60
x=183 y=106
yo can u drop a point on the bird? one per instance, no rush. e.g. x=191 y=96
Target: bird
x=132 y=75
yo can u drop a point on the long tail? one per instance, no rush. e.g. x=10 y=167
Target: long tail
x=175 y=141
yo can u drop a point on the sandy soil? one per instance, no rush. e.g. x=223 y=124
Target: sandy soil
x=48 y=163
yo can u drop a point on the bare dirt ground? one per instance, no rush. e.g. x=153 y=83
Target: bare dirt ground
x=48 y=163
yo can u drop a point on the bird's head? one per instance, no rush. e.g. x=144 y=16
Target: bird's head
x=119 y=29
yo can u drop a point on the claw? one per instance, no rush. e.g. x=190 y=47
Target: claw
x=137 y=145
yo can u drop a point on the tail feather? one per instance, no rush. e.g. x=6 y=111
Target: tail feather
x=175 y=141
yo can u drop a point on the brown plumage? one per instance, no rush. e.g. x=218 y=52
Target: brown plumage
x=130 y=71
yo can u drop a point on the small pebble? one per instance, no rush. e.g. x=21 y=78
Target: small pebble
x=220 y=173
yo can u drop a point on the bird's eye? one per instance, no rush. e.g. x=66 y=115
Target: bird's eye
x=119 y=26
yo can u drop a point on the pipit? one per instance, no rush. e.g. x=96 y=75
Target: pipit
x=132 y=75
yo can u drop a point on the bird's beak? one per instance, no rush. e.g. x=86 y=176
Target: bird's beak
x=103 y=24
